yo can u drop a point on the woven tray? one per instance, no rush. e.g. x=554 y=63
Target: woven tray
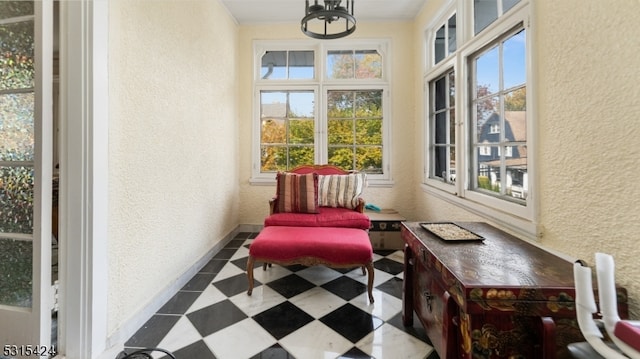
x=449 y=231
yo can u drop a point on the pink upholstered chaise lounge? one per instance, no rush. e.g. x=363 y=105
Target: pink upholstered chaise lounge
x=316 y=218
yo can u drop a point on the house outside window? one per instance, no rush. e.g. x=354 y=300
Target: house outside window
x=499 y=102
x=484 y=119
x=321 y=104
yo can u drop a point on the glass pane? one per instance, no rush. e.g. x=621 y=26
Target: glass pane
x=300 y=155
x=341 y=157
x=16 y=270
x=301 y=65
x=301 y=104
x=452 y=35
x=16 y=127
x=301 y=131
x=508 y=4
x=16 y=55
x=452 y=164
x=369 y=159
x=438 y=46
x=452 y=126
x=273 y=104
x=440 y=93
x=440 y=162
x=517 y=180
x=516 y=125
x=340 y=104
x=441 y=128
x=340 y=132
x=515 y=71
x=274 y=65
x=273 y=158
x=484 y=13
x=369 y=132
x=487 y=120
x=10 y=9
x=16 y=199
x=368 y=64
x=340 y=64
x=368 y=104
x=452 y=89
x=488 y=173
x=273 y=131
x=487 y=68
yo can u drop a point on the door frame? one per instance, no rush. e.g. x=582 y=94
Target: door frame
x=83 y=248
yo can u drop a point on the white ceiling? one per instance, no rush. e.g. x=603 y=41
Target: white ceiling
x=272 y=11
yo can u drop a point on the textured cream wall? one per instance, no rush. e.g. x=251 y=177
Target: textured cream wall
x=173 y=149
x=588 y=101
x=254 y=198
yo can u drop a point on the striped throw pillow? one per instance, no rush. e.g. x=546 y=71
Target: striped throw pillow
x=341 y=190
x=297 y=193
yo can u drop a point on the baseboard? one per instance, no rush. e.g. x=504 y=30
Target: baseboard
x=254 y=228
x=115 y=343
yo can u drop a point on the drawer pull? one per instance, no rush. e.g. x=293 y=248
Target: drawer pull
x=424 y=255
x=428 y=298
x=455 y=321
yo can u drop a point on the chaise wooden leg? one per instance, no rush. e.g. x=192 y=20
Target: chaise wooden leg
x=363 y=270
x=370 y=282
x=250 y=274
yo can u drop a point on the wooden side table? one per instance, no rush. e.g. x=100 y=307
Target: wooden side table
x=385 y=229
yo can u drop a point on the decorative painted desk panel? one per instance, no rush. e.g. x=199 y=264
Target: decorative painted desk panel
x=497 y=298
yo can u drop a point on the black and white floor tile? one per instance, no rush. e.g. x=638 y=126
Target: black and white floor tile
x=294 y=312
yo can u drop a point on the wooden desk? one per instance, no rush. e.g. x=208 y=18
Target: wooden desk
x=499 y=298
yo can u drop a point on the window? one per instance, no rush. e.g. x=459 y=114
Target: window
x=442 y=128
x=444 y=43
x=286 y=129
x=350 y=64
x=499 y=101
x=478 y=141
x=321 y=104
x=277 y=65
x=485 y=12
x=354 y=129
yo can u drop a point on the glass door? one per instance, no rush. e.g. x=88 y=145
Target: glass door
x=25 y=178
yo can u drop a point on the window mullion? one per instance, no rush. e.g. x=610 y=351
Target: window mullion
x=321 y=125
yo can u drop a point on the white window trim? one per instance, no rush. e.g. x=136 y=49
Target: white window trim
x=521 y=219
x=321 y=84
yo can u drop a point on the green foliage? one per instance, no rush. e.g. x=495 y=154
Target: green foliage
x=516 y=100
x=485 y=183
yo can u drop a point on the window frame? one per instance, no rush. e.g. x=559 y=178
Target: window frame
x=520 y=218
x=321 y=84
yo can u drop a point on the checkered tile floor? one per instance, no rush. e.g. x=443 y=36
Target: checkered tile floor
x=294 y=312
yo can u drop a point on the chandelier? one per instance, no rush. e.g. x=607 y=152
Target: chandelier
x=328 y=21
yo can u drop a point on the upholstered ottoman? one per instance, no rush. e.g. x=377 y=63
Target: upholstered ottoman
x=330 y=246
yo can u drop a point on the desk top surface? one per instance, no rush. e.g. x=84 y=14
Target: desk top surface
x=500 y=261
